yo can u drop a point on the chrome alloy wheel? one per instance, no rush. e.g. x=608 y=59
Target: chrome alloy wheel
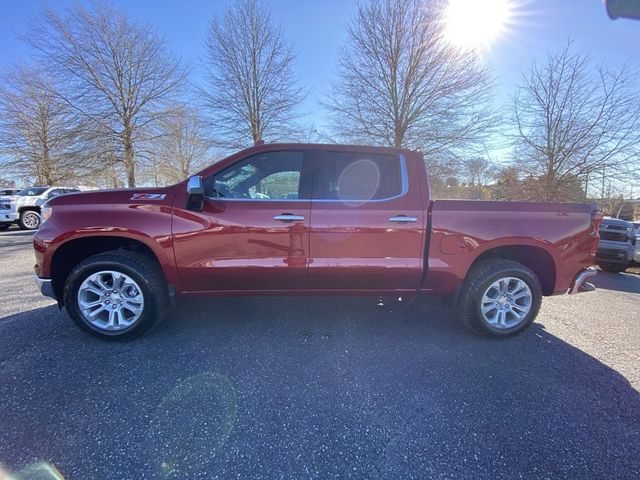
x=31 y=220
x=506 y=302
x=110 y=300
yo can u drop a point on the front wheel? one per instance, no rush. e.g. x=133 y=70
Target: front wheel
x=29 y=220
x=116 y=295
x=500 y=298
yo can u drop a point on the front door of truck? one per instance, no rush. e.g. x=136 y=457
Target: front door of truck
x=253 y=233
x=367 y=223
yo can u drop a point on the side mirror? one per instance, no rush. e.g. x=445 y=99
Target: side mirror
x=195 y=192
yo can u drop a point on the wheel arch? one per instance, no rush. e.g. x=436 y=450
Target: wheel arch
x=30 y=208
x=68 y=254
x=538 y=259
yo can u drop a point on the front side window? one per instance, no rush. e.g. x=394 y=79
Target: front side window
x=359 y=177
x=266 y=176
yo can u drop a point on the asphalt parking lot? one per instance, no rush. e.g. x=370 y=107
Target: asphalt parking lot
x=321 y=388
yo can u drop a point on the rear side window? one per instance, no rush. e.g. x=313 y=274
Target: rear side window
x=358 y=177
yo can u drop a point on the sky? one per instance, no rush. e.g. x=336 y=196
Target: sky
x=317 y=29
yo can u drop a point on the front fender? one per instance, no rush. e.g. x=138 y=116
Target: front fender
x=149 y=225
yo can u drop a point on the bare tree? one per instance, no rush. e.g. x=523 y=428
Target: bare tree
x=250 y=89
x=182 y=147
x=115 y=72
x=402 y=84
x=479 y=173
x=508 y=185
x=6 y=183
x=615 y=199
x=40 y=135
x=572 y=120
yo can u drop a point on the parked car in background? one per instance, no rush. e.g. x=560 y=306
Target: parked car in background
x=25 y=207
x=616 y=246
x=309 y=219
x=6 y=196
x=8 y=192
x=636 y=249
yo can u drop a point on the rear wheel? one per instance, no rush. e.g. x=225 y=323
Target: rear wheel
x=614 y=267
x=116 y=295
x=500 y=298
x=29 y=220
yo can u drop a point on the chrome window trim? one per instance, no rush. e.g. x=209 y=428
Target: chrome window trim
x=225 y=199
x=404 y=177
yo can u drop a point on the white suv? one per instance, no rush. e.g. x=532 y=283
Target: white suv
x=24 y=207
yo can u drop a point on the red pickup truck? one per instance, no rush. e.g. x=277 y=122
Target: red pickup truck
x=308 y=219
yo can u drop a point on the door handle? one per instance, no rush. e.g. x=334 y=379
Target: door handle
x=402 y=219
x=288 y=217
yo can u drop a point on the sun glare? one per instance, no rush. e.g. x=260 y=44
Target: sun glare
x=476 y=24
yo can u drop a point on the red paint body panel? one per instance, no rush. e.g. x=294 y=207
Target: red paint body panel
x=236 y=247
x=560 y=229
x=354 y=246
x=109 y=214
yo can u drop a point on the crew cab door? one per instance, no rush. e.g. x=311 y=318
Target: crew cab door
x=253 y=232
x=367 y=222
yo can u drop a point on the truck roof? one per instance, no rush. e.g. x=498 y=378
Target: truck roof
x=324 y=146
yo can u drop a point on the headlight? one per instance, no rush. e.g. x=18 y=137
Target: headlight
x=45 y=213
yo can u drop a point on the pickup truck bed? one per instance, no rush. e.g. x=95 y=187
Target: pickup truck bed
x=555 y=239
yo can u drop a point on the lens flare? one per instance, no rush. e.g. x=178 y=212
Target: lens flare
x=474 y=24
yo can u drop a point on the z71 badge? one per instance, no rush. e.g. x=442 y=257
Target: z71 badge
x=148 y=196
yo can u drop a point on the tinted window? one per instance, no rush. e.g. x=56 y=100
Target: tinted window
x=359 y=176
x=55 y=192
x=33 y=192
x=267 y=176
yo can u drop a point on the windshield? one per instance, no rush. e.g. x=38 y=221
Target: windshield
x=32 y=192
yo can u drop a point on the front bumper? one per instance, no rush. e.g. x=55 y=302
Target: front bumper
x=45 y=287
x=610 y=255
x=580 y=283
x=8 y=217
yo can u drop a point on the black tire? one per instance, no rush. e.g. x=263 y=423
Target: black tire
x=140 y=268
x=4 y=226
x=479 y=279
x=29 y=220
x=614 y=267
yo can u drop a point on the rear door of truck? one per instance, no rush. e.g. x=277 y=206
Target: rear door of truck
x=367 y=221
